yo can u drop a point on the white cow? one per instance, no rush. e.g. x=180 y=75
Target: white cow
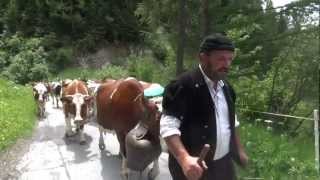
x=40 y=93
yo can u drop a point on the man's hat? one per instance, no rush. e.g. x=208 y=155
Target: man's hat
x=216 y=41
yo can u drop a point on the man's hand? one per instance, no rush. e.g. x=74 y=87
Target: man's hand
x=244 y=159
x=191 y=168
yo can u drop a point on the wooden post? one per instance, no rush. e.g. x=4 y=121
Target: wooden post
x=316 y=137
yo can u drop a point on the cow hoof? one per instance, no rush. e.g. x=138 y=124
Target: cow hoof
x=152 y=174
x=124 y=175
x=83 y=142
x=102 y=147
x=69 y=134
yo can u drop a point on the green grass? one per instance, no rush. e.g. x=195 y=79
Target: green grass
x=274 y=156
x=17 y=112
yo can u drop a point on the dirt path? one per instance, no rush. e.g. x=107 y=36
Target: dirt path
x=48 y=155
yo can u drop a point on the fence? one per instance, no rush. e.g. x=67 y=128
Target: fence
x=316 y=128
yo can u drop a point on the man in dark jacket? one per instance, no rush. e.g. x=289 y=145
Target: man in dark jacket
x=198 y=109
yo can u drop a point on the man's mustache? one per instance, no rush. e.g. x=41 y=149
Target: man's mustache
x=223 y=70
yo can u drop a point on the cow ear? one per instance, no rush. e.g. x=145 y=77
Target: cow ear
x=66 y=99
x=34 y=91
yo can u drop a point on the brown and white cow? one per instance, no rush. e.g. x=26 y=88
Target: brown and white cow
x=40 y=93
x=121 y=106
x=75 y=101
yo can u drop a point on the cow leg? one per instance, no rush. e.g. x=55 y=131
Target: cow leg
x=43 y=110
x=39 y=111
x=154 y=172
x=134 y=175
x=57 y=101
x=81 y=135
x=102 y=146
x=124 y=167
x=52 y=97
x=69 y=131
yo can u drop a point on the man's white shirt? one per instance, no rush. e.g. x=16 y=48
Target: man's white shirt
x=169 y=125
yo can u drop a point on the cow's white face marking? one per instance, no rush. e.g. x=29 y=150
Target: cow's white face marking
x=78 y=100
x=41 y=90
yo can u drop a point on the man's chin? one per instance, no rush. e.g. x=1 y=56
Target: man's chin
x=222 y=76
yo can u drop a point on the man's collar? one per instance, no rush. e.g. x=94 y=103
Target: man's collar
x=208 y=81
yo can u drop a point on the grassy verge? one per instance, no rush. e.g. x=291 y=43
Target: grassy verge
x=274 y=156
x=17 y=112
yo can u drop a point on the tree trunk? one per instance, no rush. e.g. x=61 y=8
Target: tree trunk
x=204 y=14
x=181 y=36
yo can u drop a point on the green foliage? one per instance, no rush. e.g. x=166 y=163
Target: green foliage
x=23 y=59
x=150 y=70
x=17 y=112
x=60 y=58
x=113 y=72
x=277 y=157
x=85 y=23
x=287 y=87
x=142 y=68
x=109 y=71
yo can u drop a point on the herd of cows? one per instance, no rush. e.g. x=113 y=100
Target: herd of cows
x=117 y=105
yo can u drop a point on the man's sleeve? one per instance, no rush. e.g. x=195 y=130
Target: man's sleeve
x=175 y=100
x=169 y=125
x=174 y=106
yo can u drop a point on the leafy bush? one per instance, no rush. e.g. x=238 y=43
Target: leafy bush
x=23 y=60
x=142 y=67
x=113 y=72
x=276 y=157
x=3 y=60
x=59 y=58
x=17 y=112
x=108 y=71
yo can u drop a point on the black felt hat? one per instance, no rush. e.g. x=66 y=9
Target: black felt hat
x=216 y=41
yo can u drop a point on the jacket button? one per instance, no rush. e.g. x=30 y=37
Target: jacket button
x=206 y=126
x=181 y=117
x=203 y=137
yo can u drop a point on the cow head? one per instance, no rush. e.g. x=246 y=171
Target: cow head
x=79 y=102
x=40 y=92
x=151 y=117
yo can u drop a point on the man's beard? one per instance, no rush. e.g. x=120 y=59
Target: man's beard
x=216 y=76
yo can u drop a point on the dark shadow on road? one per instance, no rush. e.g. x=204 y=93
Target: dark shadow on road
x=81 y=152
x=111 y=165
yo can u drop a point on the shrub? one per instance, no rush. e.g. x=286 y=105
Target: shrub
x=28 y=66
x=276 y=156
x=23 y=59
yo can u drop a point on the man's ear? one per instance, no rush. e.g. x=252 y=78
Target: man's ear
x=67 y=99
x=203 y=55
